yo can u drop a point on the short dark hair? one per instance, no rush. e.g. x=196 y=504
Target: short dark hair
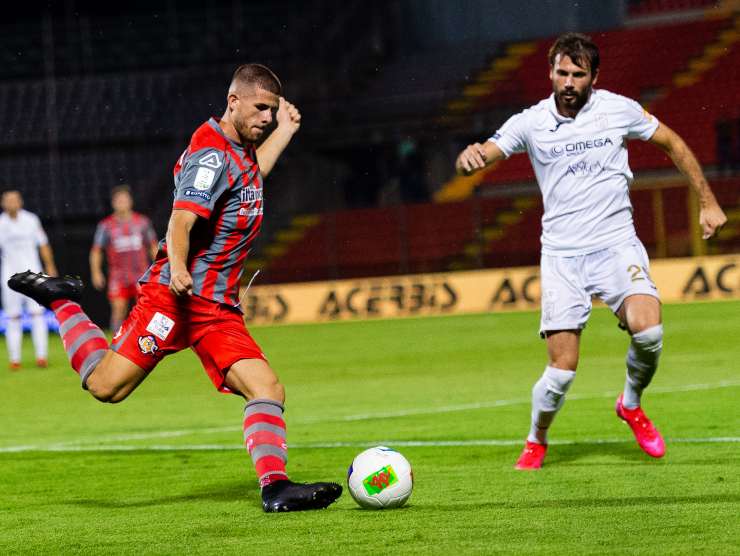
x=123 y=188
x=579 y=48
x=259 y=75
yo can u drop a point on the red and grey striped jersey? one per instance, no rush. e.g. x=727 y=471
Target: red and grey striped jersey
x=127 y=245
x=220 y=181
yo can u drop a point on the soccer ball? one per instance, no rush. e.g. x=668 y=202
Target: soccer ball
x=380 y=478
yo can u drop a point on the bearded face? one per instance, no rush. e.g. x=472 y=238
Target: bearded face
x=572 y=85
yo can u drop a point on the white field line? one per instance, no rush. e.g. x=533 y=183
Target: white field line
x=128 y=437
x=326 y=445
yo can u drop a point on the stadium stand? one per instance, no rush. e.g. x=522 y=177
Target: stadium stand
x=126 y=91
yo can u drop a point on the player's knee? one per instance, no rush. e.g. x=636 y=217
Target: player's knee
x=564 y=361
x=104 y=391
x=649 y=339
x=272 y=390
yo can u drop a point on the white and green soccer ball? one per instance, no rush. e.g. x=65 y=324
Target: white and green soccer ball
x=380 y=478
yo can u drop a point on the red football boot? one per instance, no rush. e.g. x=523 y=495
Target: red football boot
x=532 y=456
x=647 y=436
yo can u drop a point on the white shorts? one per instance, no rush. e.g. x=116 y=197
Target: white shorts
x=13 y=302
x=611 y=274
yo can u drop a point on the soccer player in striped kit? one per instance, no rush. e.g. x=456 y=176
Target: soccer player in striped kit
x=576 y=140
x=130 y=243
x=189 y=295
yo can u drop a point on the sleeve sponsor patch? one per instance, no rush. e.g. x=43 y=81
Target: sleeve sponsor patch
x=201 y=194
x=204 y=179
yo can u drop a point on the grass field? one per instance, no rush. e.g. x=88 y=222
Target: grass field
x=164 y=471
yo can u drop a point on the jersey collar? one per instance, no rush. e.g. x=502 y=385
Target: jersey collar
x=553 y=107
x=213 y=122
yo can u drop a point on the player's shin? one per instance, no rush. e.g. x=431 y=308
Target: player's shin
x=14 y=339
x=83 y=341
x=642 y=361
x=548 y=396
x=264 y=437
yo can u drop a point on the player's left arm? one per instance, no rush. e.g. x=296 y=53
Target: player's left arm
x=711 y=216
x=288 y=123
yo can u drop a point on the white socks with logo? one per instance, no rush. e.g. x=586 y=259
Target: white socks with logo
x=548 y=396
x=642 y=360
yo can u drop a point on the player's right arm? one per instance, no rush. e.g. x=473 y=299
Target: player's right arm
x=478 y=156
x=178 y=247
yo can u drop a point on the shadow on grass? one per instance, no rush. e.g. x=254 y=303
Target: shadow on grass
x=568 y=453
x=227 y=493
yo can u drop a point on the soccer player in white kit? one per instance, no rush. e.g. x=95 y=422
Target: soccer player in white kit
x=22 y=238
x=576 y=140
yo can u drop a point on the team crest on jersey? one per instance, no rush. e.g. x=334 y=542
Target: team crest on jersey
x=148 y=345
x=211 y=160
x=601 y=121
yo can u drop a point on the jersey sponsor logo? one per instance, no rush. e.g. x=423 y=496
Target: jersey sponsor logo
x=201 y=194
x=122 y=244
x=160 y=325
x=204 y=179
x=251 y=212
x=584 y=168
x=250 y=194
x=579 y=147
x=211 y=160
x=148 y=345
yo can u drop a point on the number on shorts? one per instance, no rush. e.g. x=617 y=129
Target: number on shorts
x=637 y=272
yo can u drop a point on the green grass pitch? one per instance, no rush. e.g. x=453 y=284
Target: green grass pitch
x=164 y=472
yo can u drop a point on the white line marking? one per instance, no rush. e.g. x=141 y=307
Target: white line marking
x=126 y=437
x=326 y=445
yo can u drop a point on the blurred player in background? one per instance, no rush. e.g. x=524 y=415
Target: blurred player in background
x=22 y=239
x=130 y=244
x=189 y=295
x=576 y=141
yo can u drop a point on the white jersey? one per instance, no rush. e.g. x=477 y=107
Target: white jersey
x=20 y=238
x=581 y=168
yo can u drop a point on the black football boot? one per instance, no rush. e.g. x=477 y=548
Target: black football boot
x=287 y=496
x=44 y=289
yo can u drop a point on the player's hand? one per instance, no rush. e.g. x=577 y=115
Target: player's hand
x=711 y=219
x=98 y=280
x=288 y=117
x=181 y=283
x=52 y=271
x=472 y=159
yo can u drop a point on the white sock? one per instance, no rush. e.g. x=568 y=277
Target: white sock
x=548 y=396
x=14 y=338
x=642 y=361
x=40 y=335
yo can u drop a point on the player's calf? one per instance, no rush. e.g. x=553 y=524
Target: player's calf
x=642 y=362
x=83 y=341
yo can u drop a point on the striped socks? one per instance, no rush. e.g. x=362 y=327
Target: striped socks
x=264 y=437
x=84 y=342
